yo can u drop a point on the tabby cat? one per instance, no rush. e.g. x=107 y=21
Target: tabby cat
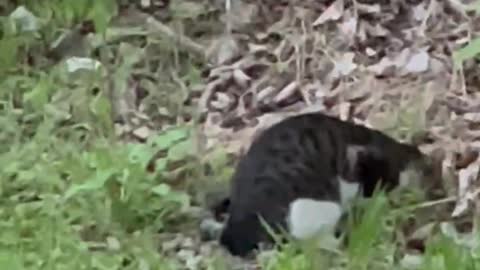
x=301 y=173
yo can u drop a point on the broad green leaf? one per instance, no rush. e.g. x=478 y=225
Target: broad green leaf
x=161 y=165
x=8 y=52
x=169 y=137
x=39 y=95
x=468 y=52
x=94 y=184
x=181 y=150
x=140 y=153
x=10 y=260
x=162 y=190
x=101 y=14
x=100 y=106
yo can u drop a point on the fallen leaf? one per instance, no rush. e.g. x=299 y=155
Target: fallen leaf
x=345 y=65
x=473 y=117
x=206 y=97
x=349 y=27
x=376 y=31
x=402 y=58
x=241 y=78
x=418 y=62
x=419 y=12
x=286 y=92
x=384 y=67
x=222 y=101
x=370 y=52
x=241 y=15
x=266 y=93
x=223 y=50
x=424 y=232
x=332 y=13
x=365 y=8
x=466 y=178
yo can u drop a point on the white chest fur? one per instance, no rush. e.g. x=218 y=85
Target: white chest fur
x=308 y=217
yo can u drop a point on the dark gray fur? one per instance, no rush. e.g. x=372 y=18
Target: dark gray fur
x=301 y=157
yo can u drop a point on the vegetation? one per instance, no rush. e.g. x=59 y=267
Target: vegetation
x=75 y=195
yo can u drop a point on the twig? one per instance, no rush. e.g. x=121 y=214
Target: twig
x=430 y=9
x=437 y=202
x=154 y=26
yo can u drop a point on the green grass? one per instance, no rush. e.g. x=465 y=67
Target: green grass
x=72 y=196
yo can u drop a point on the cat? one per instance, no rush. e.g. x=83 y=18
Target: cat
x=301 y=173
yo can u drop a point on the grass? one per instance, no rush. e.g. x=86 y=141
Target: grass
x=75 y=197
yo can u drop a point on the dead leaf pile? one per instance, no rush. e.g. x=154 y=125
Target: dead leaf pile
x=354 y=60
x=385 y=64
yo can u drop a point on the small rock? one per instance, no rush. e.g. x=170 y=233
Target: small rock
x=142 y=133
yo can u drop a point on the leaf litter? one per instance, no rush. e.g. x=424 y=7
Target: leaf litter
x=356 y=62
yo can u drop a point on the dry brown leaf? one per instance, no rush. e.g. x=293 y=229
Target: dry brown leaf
x=418 y=62
x=266 y=93
x=349 y=27
x=241 y=15
x=466 y=192
x=370 y=52
x=384 y=67
x=473 y=117
x=375 y=31
x=223 y=50
x=241 y=78
x=365 y=8
x=402 y=58
x=286 y=92
x=332 y=13
x=419 y=12
x=257 y=48
x=222 y=101
x=345 y=65
x=208 y=93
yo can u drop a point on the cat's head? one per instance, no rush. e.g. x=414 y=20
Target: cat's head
x=242 y=234
x=425 y=172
